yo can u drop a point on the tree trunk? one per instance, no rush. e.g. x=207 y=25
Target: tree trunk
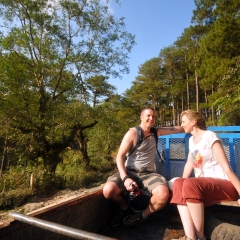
x=173 y=111
x=213 y=119
x=82 y=140
x=206 y=101
x=3 y=157
x=188 y=104
x=197 y=91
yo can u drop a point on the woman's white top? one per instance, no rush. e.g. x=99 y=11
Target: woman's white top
x=204 y=160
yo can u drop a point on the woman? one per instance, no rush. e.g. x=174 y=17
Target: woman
x=214 y=179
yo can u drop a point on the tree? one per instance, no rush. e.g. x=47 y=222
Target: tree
x=109 y=131
x=99 y=87
x=174 y=81
x=228 y=97
x=148 y=88
x=49 y=49
x=220 y=47
x=183 y=47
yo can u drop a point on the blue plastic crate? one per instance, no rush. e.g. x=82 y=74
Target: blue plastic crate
x=174 y=150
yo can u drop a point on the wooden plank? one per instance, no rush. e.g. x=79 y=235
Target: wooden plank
x=229 y=203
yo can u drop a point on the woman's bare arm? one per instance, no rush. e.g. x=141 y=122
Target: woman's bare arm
x=223 y=162
x=188 y=167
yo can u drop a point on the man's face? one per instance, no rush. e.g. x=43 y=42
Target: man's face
x=148 y=117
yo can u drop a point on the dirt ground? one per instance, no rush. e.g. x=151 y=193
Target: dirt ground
x=40 y=202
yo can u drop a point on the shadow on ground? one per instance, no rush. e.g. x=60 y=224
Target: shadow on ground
x=158 y=226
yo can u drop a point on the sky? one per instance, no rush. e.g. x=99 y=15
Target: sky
x=156 y=24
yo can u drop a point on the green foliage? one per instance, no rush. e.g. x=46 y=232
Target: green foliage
x=14 y=178
x=55 y=95
x=148 y=87
x=231 y=118
x=47 y=65
x=44 y=180
x=14 y=198
x=75 y=174
x=103 y=166
x=71 y=173
x=15 y=188
x=15 y=184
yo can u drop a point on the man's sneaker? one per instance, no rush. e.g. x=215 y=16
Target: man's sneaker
x=187 y=238
x=201 y=238
x=131 y=220
x=118 y=218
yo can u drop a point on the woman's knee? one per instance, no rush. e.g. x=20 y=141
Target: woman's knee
x=188 y=184
x=178 y=182
x=192 y=189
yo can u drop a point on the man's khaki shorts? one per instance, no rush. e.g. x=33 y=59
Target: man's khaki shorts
x=148 y=180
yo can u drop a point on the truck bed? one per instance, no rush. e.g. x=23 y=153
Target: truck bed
x=90 y=216
x=158 y=226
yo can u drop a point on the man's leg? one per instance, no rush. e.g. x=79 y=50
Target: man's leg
x=157 y=185
x=159 y=198
x=112 y=192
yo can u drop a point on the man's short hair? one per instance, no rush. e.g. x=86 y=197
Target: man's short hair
x=149 y=108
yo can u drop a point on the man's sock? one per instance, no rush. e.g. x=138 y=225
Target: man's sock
x=144 y=217
x=125 y=209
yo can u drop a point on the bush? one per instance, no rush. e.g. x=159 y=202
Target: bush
x=75 y=174
x=14 y=198
x=71 y=173
x=15 y=178
x=14 y=187
x=103 y=165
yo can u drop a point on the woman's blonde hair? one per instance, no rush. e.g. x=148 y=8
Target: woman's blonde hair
x=194 y=115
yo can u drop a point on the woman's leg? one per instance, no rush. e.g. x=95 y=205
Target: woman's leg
x=187 y=221
x=196 y=211
x=183 y=210
x=197 y=193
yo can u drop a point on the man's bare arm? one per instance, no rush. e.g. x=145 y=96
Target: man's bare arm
x=170 y=130
x=127 y=142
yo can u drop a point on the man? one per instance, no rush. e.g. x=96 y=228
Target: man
x=139 y=171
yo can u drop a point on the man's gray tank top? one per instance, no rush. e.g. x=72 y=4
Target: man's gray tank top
x=143 y=157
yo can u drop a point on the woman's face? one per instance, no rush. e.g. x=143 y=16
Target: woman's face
x=187 y=124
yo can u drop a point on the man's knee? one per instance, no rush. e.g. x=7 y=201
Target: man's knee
x=161 y=192
x=110 y=189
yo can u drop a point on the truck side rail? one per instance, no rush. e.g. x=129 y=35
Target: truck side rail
x=58 y=228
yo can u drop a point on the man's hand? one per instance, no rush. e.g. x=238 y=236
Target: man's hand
x=128 y=183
